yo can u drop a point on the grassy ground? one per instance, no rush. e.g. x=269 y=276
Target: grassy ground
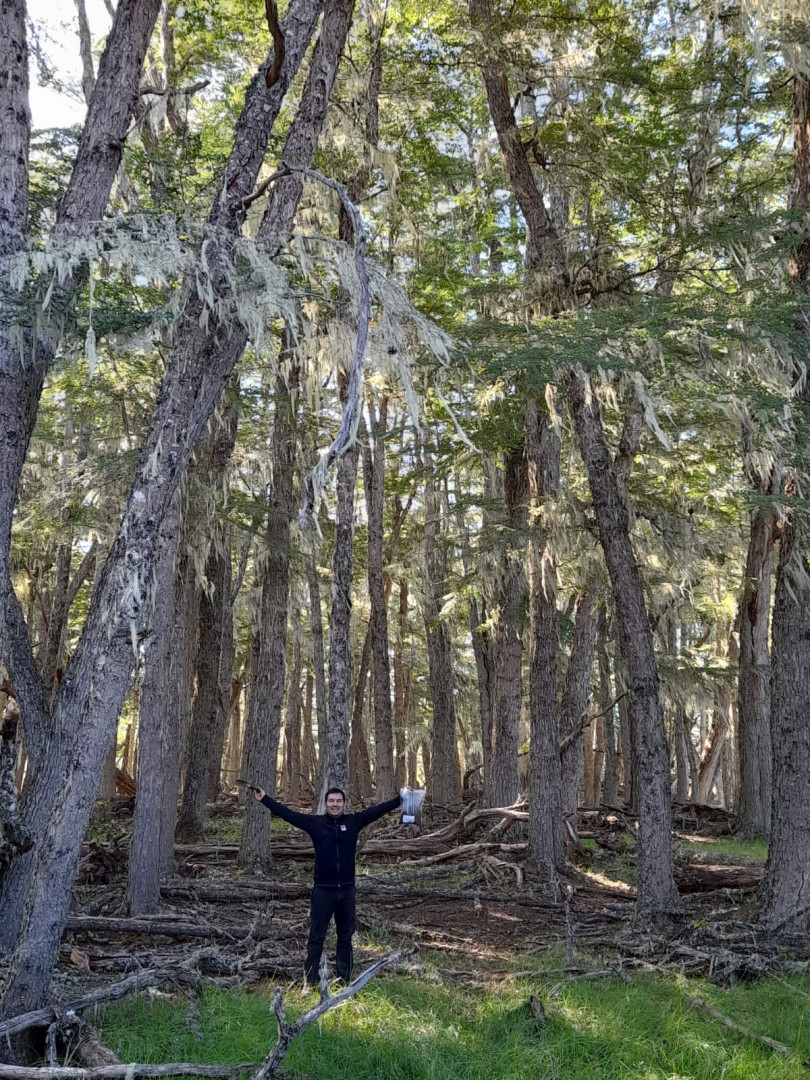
x=403 y=1028
x=729 y=845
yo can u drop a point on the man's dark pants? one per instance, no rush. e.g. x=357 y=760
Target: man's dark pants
x=324 y=903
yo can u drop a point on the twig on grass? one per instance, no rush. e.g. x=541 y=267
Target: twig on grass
x=772 y=1044
x=287 y=1032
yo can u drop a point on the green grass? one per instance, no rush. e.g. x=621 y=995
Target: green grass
x=728 y=845
x=415 y=1029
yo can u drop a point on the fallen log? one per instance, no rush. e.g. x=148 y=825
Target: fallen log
x=696 y=877
x=120 y=1072
x=101 y=924
x=46 y=1016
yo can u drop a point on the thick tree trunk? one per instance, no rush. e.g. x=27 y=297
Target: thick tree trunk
x=263 y=727
x=785 y=892
x=210 y=710
x=656 y=884
x=374 y=473
x=143 y=883
x=545 y=778
x=90 y=696
x=443 y=777
x=508 y=644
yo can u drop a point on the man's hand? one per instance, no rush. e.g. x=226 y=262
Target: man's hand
x=258 y=793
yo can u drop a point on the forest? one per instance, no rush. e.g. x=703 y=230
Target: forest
x=398 y=396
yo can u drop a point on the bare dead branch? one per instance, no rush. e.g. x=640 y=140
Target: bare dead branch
x=772 y=1044
x=287 y=1032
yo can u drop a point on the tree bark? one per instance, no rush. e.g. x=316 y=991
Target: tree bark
x=143 y=883
x=292 y=718
x=374 y=472
x=609 y=791
x=545 y=777
x=263 y=727
x=785 y=892
x=754 y=684
x=318 y=662
x=510 y=620
x=575 y=700
x=656 y=885
x=444 y=779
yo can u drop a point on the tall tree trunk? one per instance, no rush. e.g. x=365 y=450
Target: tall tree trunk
x=359 y=758
x=209 y=715
x=292 y=718
x=374 y=473
x=545 y=777
x=401 y=676
x=335 y=754
x=785 y=891
x=143 y=882
x=754 y=686
x=318 y=662
x=512 y=588
x=444 y=778
x=606 y=696
x=267 y=679
x=656 y=884
x=574 y=703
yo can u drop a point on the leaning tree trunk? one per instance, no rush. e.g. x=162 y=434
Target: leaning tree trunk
x=545 y=779
x=197 y=370
x=22 y=377
x=785 y=891
x=267 y=680
x=656 y=884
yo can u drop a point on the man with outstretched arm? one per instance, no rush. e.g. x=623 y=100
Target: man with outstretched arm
x=334 y=837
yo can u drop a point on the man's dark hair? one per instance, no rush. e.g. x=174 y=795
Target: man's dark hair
x=335 y=791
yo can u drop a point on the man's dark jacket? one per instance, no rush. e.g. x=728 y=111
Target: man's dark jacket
x=334 y=839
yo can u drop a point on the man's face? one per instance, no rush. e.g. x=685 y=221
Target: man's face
x=334 y=804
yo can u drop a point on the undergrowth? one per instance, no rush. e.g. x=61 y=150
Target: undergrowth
x=408 y=1028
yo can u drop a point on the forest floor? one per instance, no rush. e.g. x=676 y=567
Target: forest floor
x=484 y=931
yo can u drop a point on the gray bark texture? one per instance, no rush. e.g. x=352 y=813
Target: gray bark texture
x=90 y=696
x=574 y=704
x=511 y=618
x=606 y=696
x=754 y=686
x=656 y=884
x=143 y=882
x=444 y=781
x=545 y=801
x=374 y=473
x=785 y=891
x=266 y=698
x=214 y=647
